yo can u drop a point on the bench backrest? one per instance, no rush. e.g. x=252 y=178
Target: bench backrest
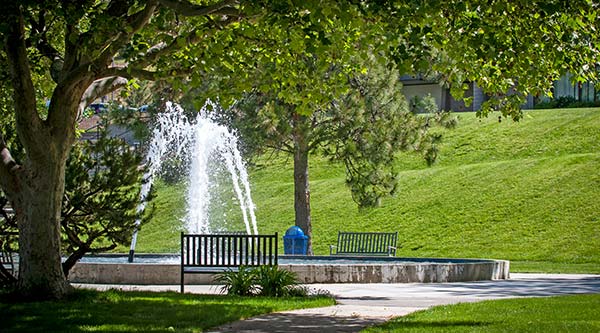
x=228 y=250
x=7 y=269
x=6 y=259
x=383 y=243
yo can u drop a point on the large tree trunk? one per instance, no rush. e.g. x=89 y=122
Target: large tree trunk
x=35 y=189
x=40 y=268
x=301 y=185
x=39 y=196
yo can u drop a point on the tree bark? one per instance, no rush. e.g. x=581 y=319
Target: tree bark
x=301 y=182
x=38 y=216
x=73 y=259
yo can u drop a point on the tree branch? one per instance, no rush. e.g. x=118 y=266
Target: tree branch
x=135 y=23
x=185 y=8
x=130 y=73
x=117 y=8
x=8 y=170
x=28 y=121
x=100 y=88
x=164 y=49
x=281 y=146
x=72 y=38
x=39 y=29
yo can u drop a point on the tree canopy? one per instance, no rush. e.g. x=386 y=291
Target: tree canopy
x=71 y=52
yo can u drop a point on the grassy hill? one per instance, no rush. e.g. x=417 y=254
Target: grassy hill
x=527 y=191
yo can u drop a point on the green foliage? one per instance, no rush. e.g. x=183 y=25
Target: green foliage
x=370 y=126
x=364 y=129
x=269 y=281
x=296 y=44
x=495 y=45
x=275 y=282
x=565 y=102
x=137 y=311
x=102 y=191
x=240 y=282
x=425 y=104
x=544 y=314
x=102 y=186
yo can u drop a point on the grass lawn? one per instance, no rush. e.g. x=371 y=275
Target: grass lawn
x=547 y=314
x=554 y=267
x=523 y=191
x=119 y=311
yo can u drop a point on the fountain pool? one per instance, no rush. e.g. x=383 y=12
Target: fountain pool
x=203 y=146
x=164 y=269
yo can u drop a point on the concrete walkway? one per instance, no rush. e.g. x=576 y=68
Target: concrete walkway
x=362 y=305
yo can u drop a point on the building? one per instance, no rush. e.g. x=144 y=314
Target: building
x=415 y=85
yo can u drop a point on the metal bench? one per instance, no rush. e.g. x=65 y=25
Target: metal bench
x=216 y=253
x=7 y=268
x=365 y=243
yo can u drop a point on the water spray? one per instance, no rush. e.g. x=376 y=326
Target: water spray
x=203 y=141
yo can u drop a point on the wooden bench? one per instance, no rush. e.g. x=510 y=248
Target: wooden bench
x=216 y=253
x=365 y=243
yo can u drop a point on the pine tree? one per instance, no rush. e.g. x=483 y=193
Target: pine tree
x=364 y=129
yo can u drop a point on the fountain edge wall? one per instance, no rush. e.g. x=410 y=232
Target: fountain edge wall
x=168 y=274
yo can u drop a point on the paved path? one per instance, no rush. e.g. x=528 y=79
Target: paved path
x=361 y=305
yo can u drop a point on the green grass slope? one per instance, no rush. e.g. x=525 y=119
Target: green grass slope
x=524 y=191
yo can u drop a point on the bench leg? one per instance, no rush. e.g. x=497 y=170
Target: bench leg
x=182 y=282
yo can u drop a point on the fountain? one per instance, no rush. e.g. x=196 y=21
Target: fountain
x=204 y=146
x=202 y=143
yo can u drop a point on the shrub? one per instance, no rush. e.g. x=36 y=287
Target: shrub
x=240 y=282
x=273 y=281
x=264 y=281
x=425 y=104
x=565 y=102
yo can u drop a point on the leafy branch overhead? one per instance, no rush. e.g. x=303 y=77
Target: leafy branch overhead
x=510 y=49
x=364 y=129
x=71 y=52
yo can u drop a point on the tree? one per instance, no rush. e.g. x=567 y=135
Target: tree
x=102 y=185
x=90 y=48
x=102 y=192
x=364 y=129
x=291 y=93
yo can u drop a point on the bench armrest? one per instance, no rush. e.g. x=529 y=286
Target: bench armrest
x=331 y=247
x=391 y=249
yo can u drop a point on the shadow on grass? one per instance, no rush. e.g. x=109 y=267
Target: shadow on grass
x=115 y=311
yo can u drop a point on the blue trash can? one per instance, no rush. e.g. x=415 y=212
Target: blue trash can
x=295 y=241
